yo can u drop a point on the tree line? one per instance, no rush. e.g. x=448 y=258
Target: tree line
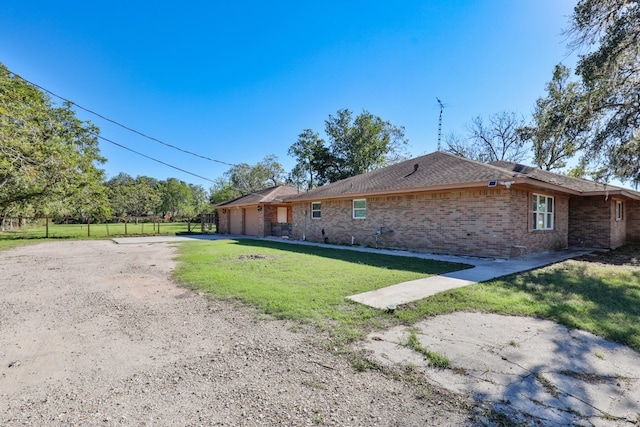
x=589 y=118
x=49 y=166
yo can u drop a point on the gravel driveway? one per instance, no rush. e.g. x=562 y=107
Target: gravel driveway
x=94 y=333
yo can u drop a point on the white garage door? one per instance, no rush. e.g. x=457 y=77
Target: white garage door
x=252 y=221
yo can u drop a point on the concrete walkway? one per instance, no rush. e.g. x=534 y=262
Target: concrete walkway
x=403 y=293
x=483 y=269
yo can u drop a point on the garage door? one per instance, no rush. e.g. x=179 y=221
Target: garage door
x=252 y=221
x=235 y=221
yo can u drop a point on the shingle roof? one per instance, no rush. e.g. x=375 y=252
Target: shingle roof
x=268 y=195
x=576 y=184
x=441 y=170
x=432 y=170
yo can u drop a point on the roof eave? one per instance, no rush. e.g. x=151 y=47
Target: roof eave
x=422 y=189
x=614 y=192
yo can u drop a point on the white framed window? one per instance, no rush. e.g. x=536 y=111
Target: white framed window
x=316 y=210
x=359 y=208
x=542 y=212
x=619 y=210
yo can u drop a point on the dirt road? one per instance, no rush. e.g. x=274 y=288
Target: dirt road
x=95 y=333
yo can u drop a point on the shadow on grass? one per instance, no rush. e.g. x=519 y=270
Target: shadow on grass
x=17 y=237
x=625 y=255
x=604 y=302
x=413 y=264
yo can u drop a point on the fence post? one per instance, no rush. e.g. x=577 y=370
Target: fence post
x=88 y=227
x=125 y=225
x=46 y=228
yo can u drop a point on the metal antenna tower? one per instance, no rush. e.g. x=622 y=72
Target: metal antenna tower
x=440 y=121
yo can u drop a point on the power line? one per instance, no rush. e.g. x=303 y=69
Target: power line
x=134 y=131
x=123 y=126
x=150 y=158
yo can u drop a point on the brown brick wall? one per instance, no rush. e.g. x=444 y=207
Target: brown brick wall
x=223 y=221
x=485 y=222
x=593 y=223
x=632 y=213
x=539 y=240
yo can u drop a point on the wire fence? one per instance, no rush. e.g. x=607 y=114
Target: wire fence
x=49 y=228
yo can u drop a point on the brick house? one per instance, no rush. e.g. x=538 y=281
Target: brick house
x=442 y=203
x=263 y=213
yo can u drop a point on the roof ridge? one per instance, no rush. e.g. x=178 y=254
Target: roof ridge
x=574 y=178
x=477 y=162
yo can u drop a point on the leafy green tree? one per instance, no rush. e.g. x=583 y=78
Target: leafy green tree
x=559 y=130
x=47 y=155
x=307 y=150
x=248 y=179
x=354 y=146
x=133 y=196
x=610 y=72
x=297 y=178
x=499 y=139
x=222 y=190
x=175 y=196
x=197 y=203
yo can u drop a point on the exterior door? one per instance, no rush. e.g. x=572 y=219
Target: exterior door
x=252 y=221
x=235 y=221
x=282 y=214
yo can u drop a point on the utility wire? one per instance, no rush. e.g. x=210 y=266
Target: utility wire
x=123 y=126
x=150 y=158
x=136 y=132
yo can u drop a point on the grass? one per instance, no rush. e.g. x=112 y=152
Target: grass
x=301 y=283
x=95 y=231
x=309 y=284
x=601 y=299
x=436 y=360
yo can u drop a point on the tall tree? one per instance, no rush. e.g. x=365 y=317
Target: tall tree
x=247 y=179
x=174 y=195
x=559 y=130
x=222 y=190
x=133 y=196
x=363 y=144
x=197 y=203
x=499 y=139
x=354 y=146
x=610 y=72
x=47 y=155
x=307 y=150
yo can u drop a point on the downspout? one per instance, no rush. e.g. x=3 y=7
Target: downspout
x=304 y=226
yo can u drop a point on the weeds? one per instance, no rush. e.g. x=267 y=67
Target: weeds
x=436 y=360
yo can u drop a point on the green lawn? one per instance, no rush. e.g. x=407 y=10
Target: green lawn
x=303 y=283
x=309 y=284
x=599 y=298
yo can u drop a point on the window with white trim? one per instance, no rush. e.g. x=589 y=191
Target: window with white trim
x=619 y=210
x=542 y=212
x=359 y=208
x=316 y=210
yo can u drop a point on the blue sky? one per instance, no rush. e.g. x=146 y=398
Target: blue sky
x=236 y=81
